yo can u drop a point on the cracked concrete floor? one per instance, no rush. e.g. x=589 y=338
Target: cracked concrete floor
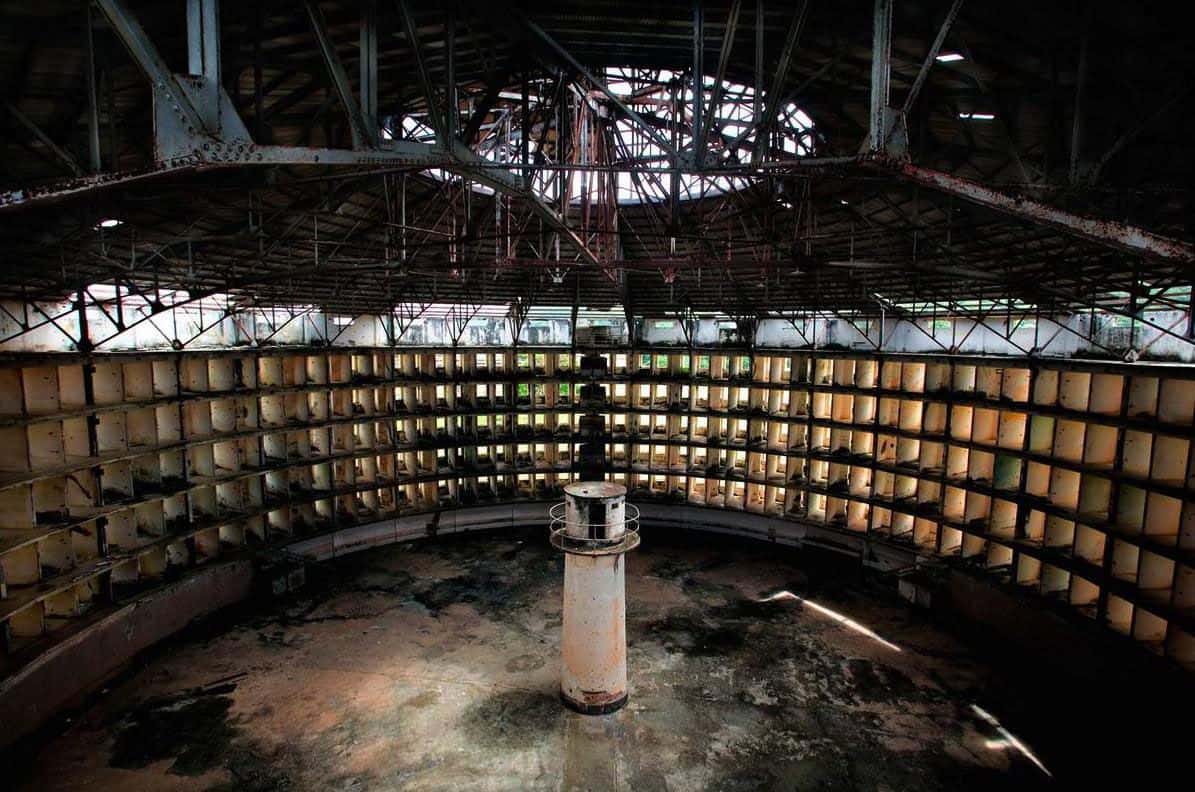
x=434 y=666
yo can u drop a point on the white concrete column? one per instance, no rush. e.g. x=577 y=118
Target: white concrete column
x=592 y=531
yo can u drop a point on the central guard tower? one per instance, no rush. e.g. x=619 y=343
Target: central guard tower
x=595 y=527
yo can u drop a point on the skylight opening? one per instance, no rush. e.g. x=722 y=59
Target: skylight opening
x=109 y=222
x=609 y=156
x=977 y=116
x=949 y=57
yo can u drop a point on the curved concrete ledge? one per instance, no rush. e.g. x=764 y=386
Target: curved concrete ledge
x=77 y=665
x=747 y=525
x=419 y=526
x=875 y=555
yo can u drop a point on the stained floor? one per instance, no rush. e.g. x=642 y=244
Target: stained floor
x=434 y=666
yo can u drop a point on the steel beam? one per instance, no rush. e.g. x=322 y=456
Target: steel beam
x=757 y=110
x=698 y=83
x=881 y=74
x=203 y=46
x=931 y=56
x=93 y=108
x=467 y=162
x=259 y=87
x=603 y=88
x=398 y=154
x=763 y=126
x=364 y=136
x=369 y=63
x=56 y=151
x=1128 y=137
x=145 y=54
x=1077 y=120
x=728 y=34
x=525 y=132
x=395 y=154
x=1108 y=233
x=451 y=104
x=429 y=92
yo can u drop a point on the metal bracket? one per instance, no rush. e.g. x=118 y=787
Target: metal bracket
x=175 y=139
x=896 y=133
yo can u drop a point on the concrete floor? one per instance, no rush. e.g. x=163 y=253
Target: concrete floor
x=434 y=666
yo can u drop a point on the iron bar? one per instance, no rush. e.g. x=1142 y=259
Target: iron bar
x=601 y=86
x=728 y=34
x=203 y=47
x=698 y=83
x=145 y=54
x=1077 y=119
x=429 y=91
x=764 y=125
x=364 y=135
x=931 y=56
x=881 y=74
x=368 y=52
x=57 y=152
x=93 y=108
x=1108 y=233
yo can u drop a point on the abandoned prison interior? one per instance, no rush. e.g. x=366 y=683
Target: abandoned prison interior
x=875 y=318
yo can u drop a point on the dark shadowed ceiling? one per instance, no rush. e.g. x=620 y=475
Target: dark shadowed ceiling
x=1089 y=105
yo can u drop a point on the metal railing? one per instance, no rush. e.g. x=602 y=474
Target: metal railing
x=562 y=540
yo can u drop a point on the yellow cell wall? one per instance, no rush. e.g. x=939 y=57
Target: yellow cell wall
x=1072 y=481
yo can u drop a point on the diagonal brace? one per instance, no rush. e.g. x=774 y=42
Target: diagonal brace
x=363 y=135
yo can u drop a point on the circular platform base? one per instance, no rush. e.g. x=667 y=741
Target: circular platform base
x=594 y=709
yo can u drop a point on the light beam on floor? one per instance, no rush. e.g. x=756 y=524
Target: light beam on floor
x=1007 y=739
x=845 y=621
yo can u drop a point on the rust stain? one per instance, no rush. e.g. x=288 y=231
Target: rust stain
x=599 y=697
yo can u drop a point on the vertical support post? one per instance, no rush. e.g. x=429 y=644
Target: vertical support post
x=369 y=62
x=931 y=56
x=93 y=107
x=525 y=135
x=110 y=113
x=728 y=35
x=403 y=219
x=674 y=174
x=562 y=99
x=1133 y=310
x=429 y=92
x=84 y=344
x=93 y=446
x=698 y=78
x=757 y=110
x=451 y=110
x=258 y=89
x=203 y=48
x=1080 y=85
x=1101 y=603
x=1191 y=311
x=364 y=134
x=765 y=123
x=881 y=73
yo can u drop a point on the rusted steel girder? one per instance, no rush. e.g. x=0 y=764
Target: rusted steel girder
x=1109 y=233
x=73 y=188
